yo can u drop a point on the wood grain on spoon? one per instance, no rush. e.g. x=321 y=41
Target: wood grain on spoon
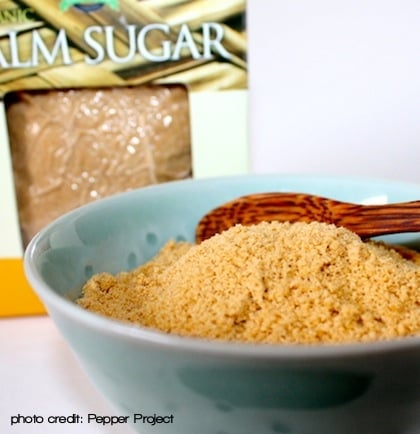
x=365 y=220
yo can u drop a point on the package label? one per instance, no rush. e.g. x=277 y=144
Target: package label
x=134 y=57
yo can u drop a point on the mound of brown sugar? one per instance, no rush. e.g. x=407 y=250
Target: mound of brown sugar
x=70 y=147
x=271 y=282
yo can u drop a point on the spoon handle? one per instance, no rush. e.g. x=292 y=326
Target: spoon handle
x=375 y=220
x=365 y=220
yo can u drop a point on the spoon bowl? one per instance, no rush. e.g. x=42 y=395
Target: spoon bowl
x=365 y=220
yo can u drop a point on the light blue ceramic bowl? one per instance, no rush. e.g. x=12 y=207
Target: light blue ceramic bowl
x=214 y=387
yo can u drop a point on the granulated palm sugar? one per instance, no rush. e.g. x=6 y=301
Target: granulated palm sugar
x=271 y=282
x=73 y=146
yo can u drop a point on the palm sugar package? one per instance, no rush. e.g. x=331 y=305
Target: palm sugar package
x=101 y=97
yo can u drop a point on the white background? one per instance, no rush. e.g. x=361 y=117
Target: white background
x=334 y=88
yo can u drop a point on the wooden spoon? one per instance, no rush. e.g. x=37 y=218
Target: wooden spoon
x=365 y=220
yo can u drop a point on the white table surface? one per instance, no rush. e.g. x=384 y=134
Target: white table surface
x=40 y=375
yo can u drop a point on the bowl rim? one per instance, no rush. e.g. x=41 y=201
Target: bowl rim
x=171 y=342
